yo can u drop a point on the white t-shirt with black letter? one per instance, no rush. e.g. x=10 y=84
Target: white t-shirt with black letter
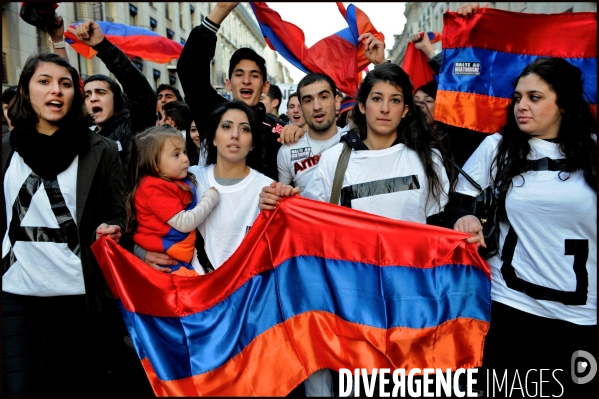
x=390 y=182
x=554 y=220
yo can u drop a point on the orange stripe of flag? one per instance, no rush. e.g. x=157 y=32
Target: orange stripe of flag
x=466 y=110
x=247 y=374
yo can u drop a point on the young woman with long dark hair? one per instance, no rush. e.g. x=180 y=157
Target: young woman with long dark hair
x=396 y=166
x=62 y=333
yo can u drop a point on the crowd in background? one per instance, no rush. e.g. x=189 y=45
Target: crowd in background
x=179 y=178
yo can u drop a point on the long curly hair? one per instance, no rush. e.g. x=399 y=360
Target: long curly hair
x=144 y=158
x=412 y=130
x=575 y=136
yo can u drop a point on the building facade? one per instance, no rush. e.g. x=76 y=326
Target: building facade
x=172 y=20
x=428 y=16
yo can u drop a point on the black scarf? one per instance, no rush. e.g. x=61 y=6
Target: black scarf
x=46 y=155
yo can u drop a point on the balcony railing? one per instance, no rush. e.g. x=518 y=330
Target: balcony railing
x=91 y=11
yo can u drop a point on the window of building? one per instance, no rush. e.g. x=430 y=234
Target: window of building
x=223 y=56
x=156 y=75
x=170 y=34
x=181 y=13
x=183 y=41
x=153 y=23
x=82 y=61
x=139 y=63
x=153 y=4
x=167 y=9
x=132 y=14
x=192 y=15
x=92 y=11
x=172 y=79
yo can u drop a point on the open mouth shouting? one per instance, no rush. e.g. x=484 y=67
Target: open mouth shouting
x=246 y=93
x=54 y=105
x=96 y=111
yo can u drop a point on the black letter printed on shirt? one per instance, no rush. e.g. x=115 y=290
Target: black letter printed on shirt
x=66 y=231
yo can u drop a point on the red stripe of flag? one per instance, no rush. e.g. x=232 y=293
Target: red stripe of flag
x=566 y=35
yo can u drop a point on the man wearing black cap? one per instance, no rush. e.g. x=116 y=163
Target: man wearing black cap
x=247 y=81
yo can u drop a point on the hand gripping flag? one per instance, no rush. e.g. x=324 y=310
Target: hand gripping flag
x=133 y=41
x=484 y=54
x=415 y=63
x=313 y=285
x=339 y=56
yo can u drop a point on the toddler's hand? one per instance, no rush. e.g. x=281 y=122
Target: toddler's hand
x=214 y=189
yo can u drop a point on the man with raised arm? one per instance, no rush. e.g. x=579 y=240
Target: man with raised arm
x=119 y=114
x=247 y=81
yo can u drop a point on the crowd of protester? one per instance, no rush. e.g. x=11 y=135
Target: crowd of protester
x=178 y=181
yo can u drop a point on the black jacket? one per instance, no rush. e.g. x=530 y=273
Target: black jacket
x=98 y=200
x=141 y=97
x=194 y=72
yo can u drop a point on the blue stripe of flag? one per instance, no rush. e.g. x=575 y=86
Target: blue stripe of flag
x=115 y=29
x=279 y=46
x=352 y=22
x=381 y=297
x=347 y=35
x=499 y=70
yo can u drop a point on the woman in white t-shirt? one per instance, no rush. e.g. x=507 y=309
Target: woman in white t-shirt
x=396 y=165
x=544 y=278
x=234 y=157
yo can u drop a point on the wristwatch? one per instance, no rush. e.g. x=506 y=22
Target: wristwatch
x=56 y=45
x=434 y=53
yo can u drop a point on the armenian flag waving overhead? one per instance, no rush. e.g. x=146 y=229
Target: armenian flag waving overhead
x=340 y=55
x=484 y=54
x=133 y=41
x=366 y=291
x=415 y=62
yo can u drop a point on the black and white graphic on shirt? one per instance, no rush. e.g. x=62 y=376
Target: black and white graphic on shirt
x=300 y=153
x=66 y=231
x=546 y=163
x=578 y=248
x=378 y=187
